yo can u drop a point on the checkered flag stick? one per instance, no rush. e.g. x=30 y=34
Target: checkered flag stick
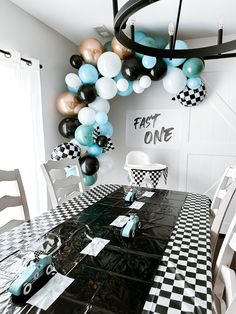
x=37 y=254
x=109 y=145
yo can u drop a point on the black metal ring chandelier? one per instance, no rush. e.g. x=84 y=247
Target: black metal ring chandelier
x=132 y=6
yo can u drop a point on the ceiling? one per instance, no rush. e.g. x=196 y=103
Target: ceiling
x=76 y=19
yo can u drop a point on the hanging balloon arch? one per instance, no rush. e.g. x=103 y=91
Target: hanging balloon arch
x=105 y=71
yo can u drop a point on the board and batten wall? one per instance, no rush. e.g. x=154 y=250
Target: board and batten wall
x=208 y=135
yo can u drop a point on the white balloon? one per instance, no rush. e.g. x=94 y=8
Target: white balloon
x=72 y=80
x=122 y=85
x=106 y=87
x=86 y=115
x=105 y=163
x=100 y=104
x=109 y=64
x=174 y=81
x=145 y=81
x=137 y=88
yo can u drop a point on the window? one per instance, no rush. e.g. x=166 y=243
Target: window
x=21 y=127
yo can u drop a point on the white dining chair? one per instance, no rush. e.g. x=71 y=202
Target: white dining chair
x=224 y=284
x=220 y=204
x=10 y=201
x=64 y=179
x=227 y=178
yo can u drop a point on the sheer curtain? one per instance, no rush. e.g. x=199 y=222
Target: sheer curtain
x=21 y=126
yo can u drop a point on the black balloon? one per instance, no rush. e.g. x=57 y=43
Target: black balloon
x=89 y=165
x=158 y=71
x=68 y=126
x=101 y=140
x=76 y=61
x=87 y=93
x=131 y=69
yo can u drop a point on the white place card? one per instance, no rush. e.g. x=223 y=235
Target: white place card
x=120 y=221
x=95 y=246
x=136 y=205
x=50 y=291
x=148 y=194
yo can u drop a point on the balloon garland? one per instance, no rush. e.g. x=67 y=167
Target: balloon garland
x=105 y=71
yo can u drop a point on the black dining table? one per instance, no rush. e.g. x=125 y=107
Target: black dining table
x=165 y=268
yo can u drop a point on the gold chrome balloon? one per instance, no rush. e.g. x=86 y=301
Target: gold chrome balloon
x=69 y=104
x=91 y=49
x=120 y=50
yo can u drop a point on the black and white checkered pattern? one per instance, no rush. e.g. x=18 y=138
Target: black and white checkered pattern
x=109 y=145
x=65 y=150
x=139 y=175
x=192 y=97
x=37 y=254
x=183 y=280
x=30 y=231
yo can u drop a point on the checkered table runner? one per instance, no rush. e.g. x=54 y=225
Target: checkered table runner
x=183 y=280
x=138 y=175
x=32 y=230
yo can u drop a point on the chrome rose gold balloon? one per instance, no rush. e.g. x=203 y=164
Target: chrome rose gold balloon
x=120 y=50
x=69 y=104
x=91 y=49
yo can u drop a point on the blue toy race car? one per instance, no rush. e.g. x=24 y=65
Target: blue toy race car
x=130 y=228
x=23 y=284
x=131 y=196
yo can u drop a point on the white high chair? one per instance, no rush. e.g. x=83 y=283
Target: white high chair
x=139 y=160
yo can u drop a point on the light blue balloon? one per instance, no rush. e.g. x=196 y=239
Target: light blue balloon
x=101 y=117
x=71 y=171
x=84 y=135
x=95 y=150
x=72 y=89
x=139 y=35
x=105 y=129
x=129 y=90
x=161 y=42
x=73 y=141
x=90 y=180
x=194 y=82
x=176 y=62
x=146 y=41
x=118 y=76
x=149 y=62
x=88 y=74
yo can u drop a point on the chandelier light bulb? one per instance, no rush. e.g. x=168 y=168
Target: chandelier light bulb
x=221 y=23
x=171 y=29
x=132 y=20
x=220 y=31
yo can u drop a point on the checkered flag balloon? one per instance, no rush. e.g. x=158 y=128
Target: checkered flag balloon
x=65 y=150
x=192 y=97
x=109 y=145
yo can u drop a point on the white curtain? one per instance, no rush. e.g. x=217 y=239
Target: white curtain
x=21 y=126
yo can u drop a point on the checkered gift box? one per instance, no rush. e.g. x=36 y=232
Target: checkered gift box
x=192 y=97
